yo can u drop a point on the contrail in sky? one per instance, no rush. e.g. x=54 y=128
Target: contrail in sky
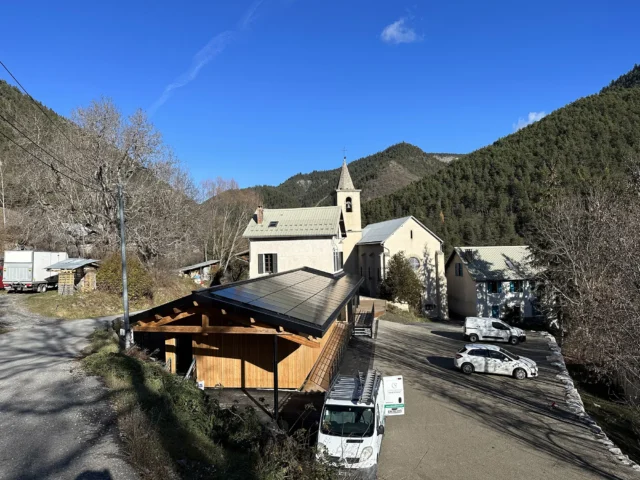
x=207 y=53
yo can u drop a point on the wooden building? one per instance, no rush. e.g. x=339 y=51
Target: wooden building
x=75 y=274
x=287 y=330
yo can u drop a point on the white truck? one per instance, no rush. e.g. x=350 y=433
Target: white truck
x=26 y=270
x=353 y=420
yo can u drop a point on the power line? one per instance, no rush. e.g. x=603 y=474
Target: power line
x=44 y=149
x=47 y=164
x=40 y=107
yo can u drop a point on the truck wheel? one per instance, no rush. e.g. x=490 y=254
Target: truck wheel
x=42 y=288
x=473 y=338
x=513 y=340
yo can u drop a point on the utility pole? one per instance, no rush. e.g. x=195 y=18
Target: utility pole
x=4 y=215
x=123 y=252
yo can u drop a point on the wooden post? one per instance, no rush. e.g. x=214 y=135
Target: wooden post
x=170 y=342
x=275 y=378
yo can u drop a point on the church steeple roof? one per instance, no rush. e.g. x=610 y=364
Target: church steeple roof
x=345 y=182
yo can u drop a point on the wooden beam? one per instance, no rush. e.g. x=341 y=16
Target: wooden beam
x=199 y=329
x=195 y=304
x=176 y=310
x=158 y=317
x=169 y=319
x=301 y=340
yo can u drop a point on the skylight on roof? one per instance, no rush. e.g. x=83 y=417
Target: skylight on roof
x=273 y=224
x=509 y=264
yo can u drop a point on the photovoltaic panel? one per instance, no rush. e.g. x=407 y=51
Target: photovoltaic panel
x=302 y=296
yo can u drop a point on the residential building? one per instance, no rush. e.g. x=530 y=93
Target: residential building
x=423 y=249
x=491 y=281
x=289 y=238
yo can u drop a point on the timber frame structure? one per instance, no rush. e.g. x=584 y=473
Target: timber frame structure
x=287 y=330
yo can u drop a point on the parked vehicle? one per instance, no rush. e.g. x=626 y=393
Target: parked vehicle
x=491 y=329
x=26 y=270
x=353 y=421
x=482 y=358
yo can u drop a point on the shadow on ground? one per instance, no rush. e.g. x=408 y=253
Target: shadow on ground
x=521 y=410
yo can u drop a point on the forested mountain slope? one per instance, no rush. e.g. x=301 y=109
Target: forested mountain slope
x=489 y=196
x=379 y=174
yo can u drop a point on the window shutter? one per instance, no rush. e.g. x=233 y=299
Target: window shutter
x=341 y=260
x=260 y=263
x=275 y=263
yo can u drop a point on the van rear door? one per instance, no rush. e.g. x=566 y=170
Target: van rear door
x=393 y=395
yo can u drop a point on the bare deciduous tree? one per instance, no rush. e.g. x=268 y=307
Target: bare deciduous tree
x=75 y=203
x=587 y=247
x=225 y=213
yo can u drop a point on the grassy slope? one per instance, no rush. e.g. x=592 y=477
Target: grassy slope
x=98 y=304
x=394 y=314
x=171 y=429
x=621 y=422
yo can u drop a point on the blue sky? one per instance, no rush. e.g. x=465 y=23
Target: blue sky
x=266 y=89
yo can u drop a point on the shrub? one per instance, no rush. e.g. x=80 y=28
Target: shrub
x=402 y=284
x=139 y=280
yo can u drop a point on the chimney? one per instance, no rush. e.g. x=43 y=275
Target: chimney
x=259 y=215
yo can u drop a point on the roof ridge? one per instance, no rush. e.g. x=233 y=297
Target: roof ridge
x=302 y=208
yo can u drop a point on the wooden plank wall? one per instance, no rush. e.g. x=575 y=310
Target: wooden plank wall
x=246 y=361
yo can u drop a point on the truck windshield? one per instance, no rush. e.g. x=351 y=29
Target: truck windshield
x=347 y=421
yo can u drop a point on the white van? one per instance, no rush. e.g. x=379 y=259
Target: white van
x=352 y=423
x=491 y=329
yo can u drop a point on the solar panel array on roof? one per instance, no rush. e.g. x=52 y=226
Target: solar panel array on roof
x=301 y=295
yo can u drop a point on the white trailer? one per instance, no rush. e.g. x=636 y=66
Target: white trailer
x=26 y=270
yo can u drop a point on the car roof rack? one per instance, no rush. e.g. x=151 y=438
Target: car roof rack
x=359 y=388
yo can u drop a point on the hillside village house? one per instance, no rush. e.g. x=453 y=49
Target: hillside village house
x=331 y=239
x=288 y=238
x=421 y=247
x=486 y=281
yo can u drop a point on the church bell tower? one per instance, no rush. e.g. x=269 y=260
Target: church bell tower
x=348 y=197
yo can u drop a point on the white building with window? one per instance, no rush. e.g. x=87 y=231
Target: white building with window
x=423 y=249
x=289 y=238
x=490 y=281
x=332 y=239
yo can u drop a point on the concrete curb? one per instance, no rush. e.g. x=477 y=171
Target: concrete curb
x=576 y=406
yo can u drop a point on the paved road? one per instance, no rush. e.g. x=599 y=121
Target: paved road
x=55 y=423
x=480 y=426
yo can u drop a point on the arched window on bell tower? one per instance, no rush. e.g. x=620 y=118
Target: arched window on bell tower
x=348 y=205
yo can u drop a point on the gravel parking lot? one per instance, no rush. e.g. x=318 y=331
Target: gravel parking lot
x=479 y=426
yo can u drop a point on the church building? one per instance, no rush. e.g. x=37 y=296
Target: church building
x=331 y=239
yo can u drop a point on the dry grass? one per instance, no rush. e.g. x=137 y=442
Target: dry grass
x=98 y=304
x=620 y=421
x=394 y=314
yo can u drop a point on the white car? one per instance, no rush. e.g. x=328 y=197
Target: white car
x=482 y=358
